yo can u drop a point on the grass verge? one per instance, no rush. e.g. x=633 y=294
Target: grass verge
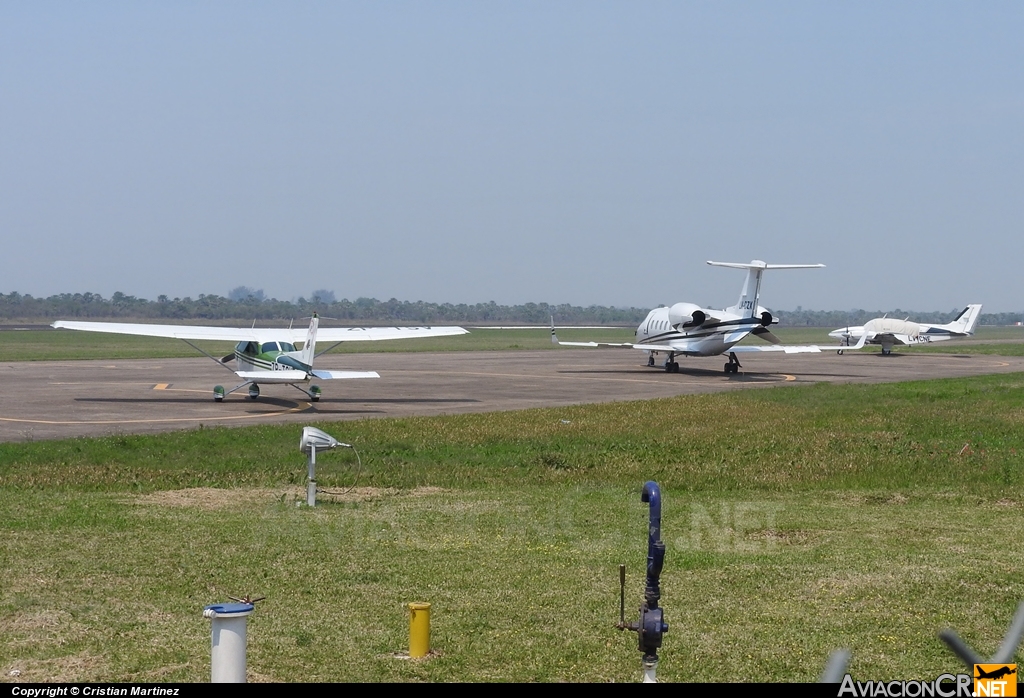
x=798 y=520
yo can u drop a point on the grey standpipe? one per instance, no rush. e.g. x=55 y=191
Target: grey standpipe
x=227 y=641
x=651 y=626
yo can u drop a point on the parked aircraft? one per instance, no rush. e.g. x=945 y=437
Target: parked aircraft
x=889 y=331
x=268 y=355
x=689 y=330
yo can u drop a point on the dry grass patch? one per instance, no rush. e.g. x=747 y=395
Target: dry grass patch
x=75 y=668
x=217 y=498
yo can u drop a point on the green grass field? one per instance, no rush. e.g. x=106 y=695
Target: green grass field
x=67 y=345
x=797 y=519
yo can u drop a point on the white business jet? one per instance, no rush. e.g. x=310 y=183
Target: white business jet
x=889 y=332
x=689 y=330
x=266 y=356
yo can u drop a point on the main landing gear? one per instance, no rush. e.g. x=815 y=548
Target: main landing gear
x=219 y=392
x=734 y=364
x=670 y=363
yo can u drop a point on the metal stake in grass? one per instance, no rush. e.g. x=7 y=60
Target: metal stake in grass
x=1003 y=655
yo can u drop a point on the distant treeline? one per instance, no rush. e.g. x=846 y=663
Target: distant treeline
x=838 y=318
x=254 y=306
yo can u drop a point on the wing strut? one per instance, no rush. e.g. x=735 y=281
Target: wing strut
x=214 y=358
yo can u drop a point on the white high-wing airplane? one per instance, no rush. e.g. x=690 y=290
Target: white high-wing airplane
x=690 y=330
x=267 y=356
x=889 y=331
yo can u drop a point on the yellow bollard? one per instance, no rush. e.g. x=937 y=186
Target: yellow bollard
x=419 y=629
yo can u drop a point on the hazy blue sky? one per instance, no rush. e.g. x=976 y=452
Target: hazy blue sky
x=580 y=152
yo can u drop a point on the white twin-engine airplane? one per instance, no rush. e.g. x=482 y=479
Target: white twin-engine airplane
x=690 y=330
x=266 y=356
x=889 y=331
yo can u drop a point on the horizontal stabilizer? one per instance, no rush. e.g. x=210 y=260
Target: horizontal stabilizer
x=340 y=375
x=273 y=376
x=758 y=264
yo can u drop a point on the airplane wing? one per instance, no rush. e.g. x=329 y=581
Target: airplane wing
x=373 y=334
x=260 y=334
x=890 y=338
x=612 y=345
x=787 y=348
x=681 y=348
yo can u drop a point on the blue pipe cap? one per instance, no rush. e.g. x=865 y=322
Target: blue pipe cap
x=228 y=610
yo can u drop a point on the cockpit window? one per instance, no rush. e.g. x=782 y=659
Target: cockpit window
x=269 y=346
x=250 y=348
x=287 y=346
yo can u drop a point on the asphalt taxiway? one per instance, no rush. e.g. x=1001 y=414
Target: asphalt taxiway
x=60 y=399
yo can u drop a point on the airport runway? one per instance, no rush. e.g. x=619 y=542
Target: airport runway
x=51 y=400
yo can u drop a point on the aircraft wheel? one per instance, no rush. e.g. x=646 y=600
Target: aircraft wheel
x=650 y=360
x=254 y=391
x=218 y=393
x=314 y=393
x=840 y=352
x=668 y=367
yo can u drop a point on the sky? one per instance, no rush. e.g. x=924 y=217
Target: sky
x=562 y=152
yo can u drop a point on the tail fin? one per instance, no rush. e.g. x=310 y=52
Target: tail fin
x=966 y=321
x=309 y=348
x=751 y=291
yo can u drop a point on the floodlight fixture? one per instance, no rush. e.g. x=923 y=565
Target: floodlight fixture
x=314 y=440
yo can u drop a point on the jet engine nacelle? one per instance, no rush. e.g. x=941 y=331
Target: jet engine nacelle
x=683 y=315
x=766 y=317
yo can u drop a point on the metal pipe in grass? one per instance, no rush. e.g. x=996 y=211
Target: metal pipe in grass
x=419 y=629
x=651 y=626
x=228 y=641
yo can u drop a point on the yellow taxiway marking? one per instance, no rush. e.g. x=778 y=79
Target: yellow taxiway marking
x=788 y=377
x=161 y=386
x=291 y=410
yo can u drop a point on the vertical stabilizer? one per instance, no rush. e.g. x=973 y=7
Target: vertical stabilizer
x=966 y=321
x=309 y=348
x=746 y=306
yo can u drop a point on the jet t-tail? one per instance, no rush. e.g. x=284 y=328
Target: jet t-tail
x=687 y=329
x=268 y=356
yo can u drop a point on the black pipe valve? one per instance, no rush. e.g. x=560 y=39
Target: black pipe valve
x=651 y=626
